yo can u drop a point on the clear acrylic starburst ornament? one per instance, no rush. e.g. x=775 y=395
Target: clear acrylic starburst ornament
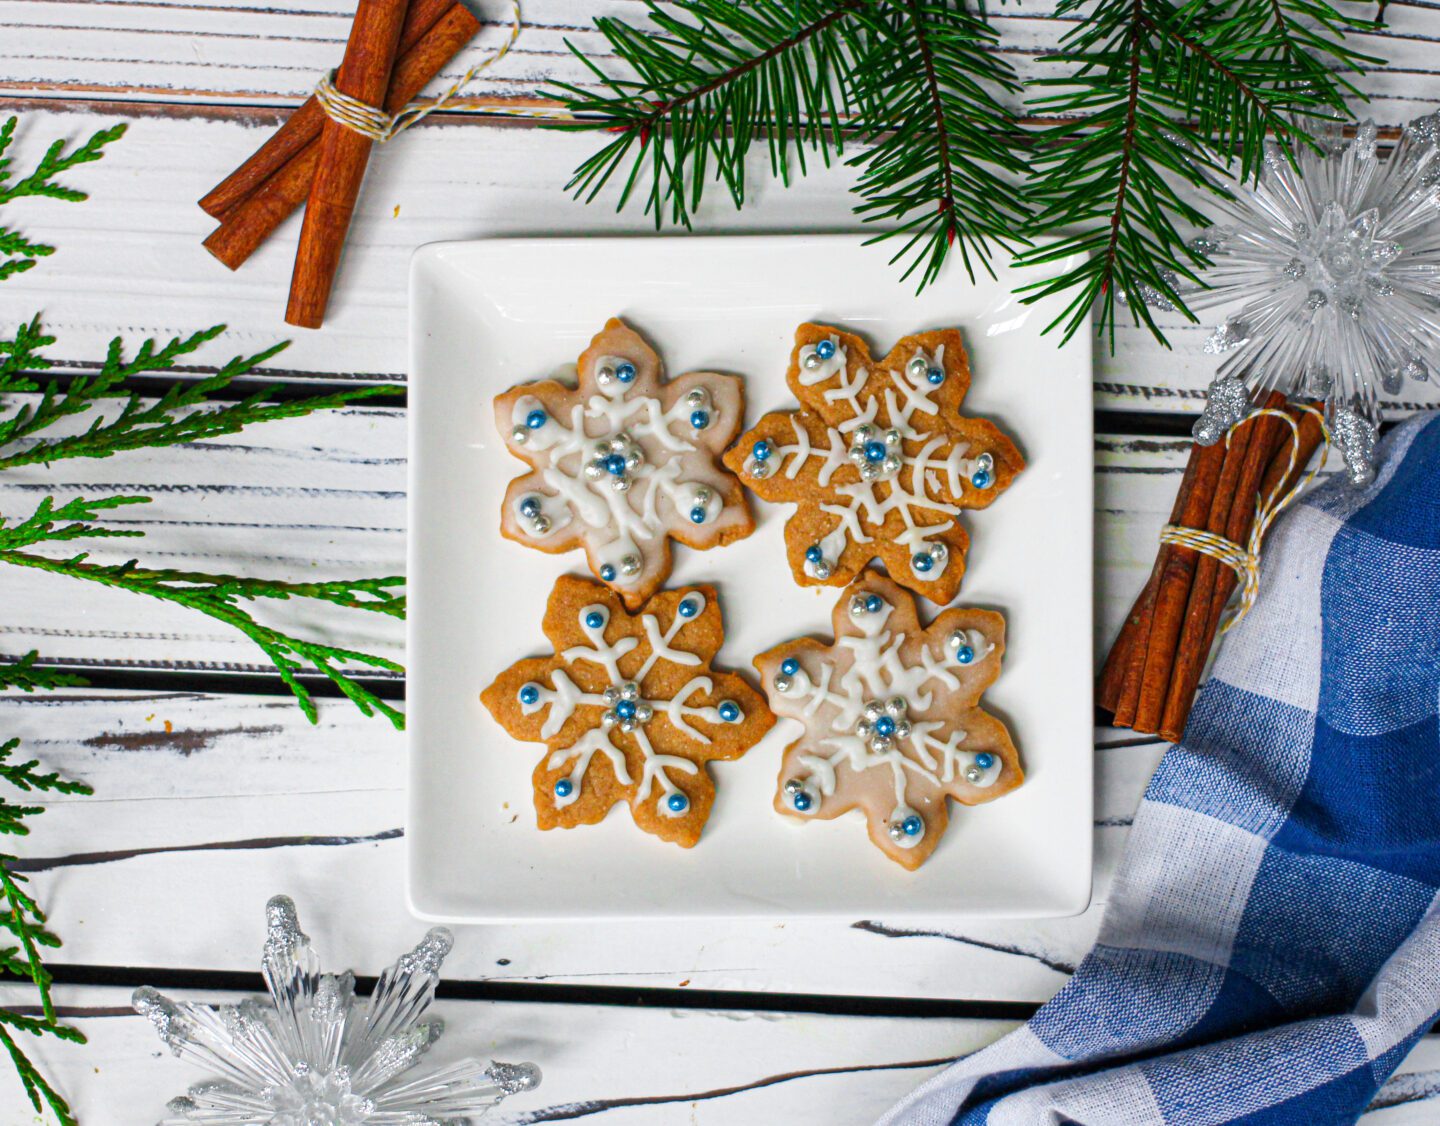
x=1334 y=261
x=317 y=1055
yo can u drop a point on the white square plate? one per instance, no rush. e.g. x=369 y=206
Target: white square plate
x=487 y=315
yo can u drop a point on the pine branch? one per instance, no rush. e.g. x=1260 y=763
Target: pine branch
x=18 y=254
x=184 y=413
x=222 y=598
x=943 y=159
x=23 y=673
x=1162 y=105
x=708 y=87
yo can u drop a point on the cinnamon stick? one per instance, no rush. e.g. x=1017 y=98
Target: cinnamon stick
x=344 y=153
x=304 y=125
x=1252 y=446
x=1172 y=595
x=250 y=222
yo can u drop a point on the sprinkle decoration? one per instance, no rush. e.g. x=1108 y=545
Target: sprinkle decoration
x=630 y=709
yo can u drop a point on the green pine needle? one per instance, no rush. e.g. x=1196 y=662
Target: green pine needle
x=22 y=917
x=18 y=254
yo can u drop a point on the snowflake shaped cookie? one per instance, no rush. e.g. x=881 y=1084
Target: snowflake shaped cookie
x=892 y=719
x=630 y=709
x=623 y=463
x=878 y=460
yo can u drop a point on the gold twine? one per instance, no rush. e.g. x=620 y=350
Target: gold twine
x=380 y=126
x=1245 y=561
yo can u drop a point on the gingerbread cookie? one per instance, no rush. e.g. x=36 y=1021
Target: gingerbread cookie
x=623 y=463
x=892 y=719
x=878 y=460
x=630 y=709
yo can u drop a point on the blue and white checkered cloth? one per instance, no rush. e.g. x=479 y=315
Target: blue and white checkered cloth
x=1271 y=947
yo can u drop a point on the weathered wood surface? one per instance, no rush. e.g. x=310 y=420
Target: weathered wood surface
x=131 y=258
x=629 y=1067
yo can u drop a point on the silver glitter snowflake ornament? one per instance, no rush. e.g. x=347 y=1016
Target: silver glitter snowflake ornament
x=318 y=1056
x=1336 y=258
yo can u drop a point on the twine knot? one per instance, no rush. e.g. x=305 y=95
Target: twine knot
x=379 y=126
x=1245 y=561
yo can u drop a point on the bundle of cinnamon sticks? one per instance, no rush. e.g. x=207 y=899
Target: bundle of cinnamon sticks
x=1149 y=680
x=395 y=48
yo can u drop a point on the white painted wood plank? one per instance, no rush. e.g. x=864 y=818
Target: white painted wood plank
x=224 y=53
x=130 y=259
x=205 y=806
x=628 y=1066
x=625 y=1066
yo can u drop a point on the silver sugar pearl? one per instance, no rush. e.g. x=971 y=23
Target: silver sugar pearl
x=882 y=744
x=520 y=435
x=605 y=375
x=896 y=706
x=620 y=484
x=896 y=831
x=812 y=360
x=863 y=433
x=629 y=564
x=627 y=725
x=891 y=464
x=540 y=524
x=793 y=786
x=857 y=605
x=893 y=437
x=973 y=774
x=956 y=639
x=863 y=727
x=782 y=683
x=917 y=367
x=758 y=469
x=939 y=553
x=821 y=569
x=903 y=729
x=594 y=470
x=644 y=713
x=857 y=454
x=612 y=694
x=607 y=720
x=696 y=397
x=874 y=709
x=629 y=690
x=702 y=495
x=870 y=471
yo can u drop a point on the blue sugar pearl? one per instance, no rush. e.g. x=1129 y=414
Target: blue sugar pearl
x=594 y=619
x=761 y=450
x=922 y=563
x=615 y=465
x=689 y=608
x=912 y=826
x=625 y=709
x=730 y=711
x=825 y=349
x=679 y=803
x=874 y=451
x=625 y=372
x=803 y=801
x=873 y=603
x=530 y=508
x=564 y=788
x=789 y=666
x=536 y=419
x=936 y=376
x=530 y=694
x=813 y=554
x=982 y=479
x=699 y=419
x=885 y=726
x=984 y=760
x=697 y=514
x=964 y=654
x=607 y=572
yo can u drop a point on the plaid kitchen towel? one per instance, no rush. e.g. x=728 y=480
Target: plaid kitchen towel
x=1271 y=947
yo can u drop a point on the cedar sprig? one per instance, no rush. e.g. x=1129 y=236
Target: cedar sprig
x=918 y=80
x=24 y=920
x=17 y=253
x=185 y=412
x=1161 y=104
x=224 y=598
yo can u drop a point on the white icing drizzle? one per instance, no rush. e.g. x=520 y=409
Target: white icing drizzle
x=665 y=486
x=928 y=749
x=916 y=485
x=563 y=697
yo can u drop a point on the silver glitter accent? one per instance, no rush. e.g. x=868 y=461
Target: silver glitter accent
x=174 y=1027
x=428 y=953
x=1356 y=438
x=1226 y=403
x=1231 y=334
x=1294 y=269
x=513 y=1078
x=1415 y=368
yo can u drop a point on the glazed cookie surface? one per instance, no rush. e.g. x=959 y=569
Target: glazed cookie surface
x=623 y=462
x=892 y=719
x=878 y=460
x=630 y=709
